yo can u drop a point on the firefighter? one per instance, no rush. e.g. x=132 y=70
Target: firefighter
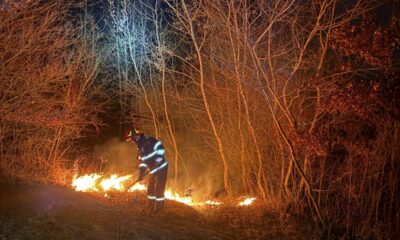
x=151 y=161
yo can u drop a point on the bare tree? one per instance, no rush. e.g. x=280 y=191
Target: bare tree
x=49 y=65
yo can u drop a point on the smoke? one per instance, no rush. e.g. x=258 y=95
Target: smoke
x=117 y=156
x=205 y=180
x=198 y=170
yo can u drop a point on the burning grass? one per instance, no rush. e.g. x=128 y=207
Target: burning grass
x=103 y=184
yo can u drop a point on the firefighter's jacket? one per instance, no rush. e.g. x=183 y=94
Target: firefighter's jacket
x=150 y=155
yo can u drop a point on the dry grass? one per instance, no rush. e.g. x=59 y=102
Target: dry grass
x=44 y=211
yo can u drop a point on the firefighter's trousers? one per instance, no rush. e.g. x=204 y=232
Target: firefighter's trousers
x=156 y=188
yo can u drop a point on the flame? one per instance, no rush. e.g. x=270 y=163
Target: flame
x=247 y=201
x=137 y=187
x=98 y=183
x=213 y=203
x=91 y=182
x=176 y=197
x=86 y=183
x=188 y=201
x=114 y=182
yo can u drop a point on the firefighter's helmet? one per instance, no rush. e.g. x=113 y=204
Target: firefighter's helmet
x=133 y=135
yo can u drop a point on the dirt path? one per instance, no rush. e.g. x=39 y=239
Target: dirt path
x=51 y=212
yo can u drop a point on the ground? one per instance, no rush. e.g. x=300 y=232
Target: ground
x=38 y=211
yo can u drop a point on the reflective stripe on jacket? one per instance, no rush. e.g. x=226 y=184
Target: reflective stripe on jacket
x=151 y=155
